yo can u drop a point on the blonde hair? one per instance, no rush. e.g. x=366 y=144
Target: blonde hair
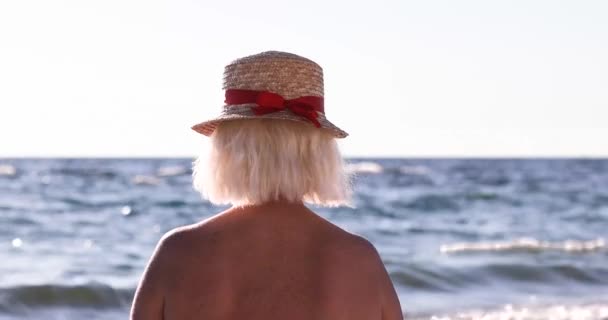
x=252 y=161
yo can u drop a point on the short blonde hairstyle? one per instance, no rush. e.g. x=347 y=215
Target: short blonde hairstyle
x=252 y=161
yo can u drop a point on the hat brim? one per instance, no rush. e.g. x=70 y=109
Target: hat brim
x=244 y=112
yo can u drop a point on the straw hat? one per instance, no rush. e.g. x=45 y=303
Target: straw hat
x=275 y=85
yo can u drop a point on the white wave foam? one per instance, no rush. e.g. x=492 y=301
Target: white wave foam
x=7 y=170
x=145 y=180
x=171 y=171
x=594 y=311
x=364 y=167
x=525 y=244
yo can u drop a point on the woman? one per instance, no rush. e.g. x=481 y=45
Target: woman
x=268 y=256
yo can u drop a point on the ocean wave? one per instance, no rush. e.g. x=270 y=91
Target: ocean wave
x=364 y=167
x=86 y=172
x=415 y=170
x=145 y=180
x=589 y=311
x=371 y=167
x=433 y=278
x=525 y=244
x=94 y=295
x=171 y=171
x=432 y=202
x=7 y=170
x=511 y=275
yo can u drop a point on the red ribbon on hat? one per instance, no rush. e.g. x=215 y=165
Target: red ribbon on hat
x=268 y=102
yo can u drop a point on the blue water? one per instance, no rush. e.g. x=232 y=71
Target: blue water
x=461 y=238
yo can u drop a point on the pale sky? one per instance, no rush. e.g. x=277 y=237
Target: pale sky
x=404 y=78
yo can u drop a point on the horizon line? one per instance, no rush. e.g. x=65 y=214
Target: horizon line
x=354 y=157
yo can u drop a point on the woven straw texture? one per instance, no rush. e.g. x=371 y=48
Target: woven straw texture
x=286 y=74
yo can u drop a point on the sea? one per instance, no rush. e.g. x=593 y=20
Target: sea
x=461 y=238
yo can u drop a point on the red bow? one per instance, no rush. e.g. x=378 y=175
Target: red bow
x=268 y=102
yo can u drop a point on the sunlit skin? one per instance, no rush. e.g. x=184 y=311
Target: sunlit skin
x=276 y=260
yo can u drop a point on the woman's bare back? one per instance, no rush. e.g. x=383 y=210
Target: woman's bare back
x=274 y=261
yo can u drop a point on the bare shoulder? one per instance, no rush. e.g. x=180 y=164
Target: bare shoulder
x=181 y=239
x=365 y=248
x=150 y=296
x=177 y=237
x=172 y=253
x=371 y=262
x=355 y=250
x=348 y=245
